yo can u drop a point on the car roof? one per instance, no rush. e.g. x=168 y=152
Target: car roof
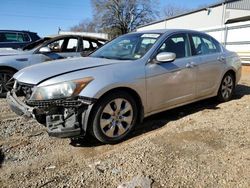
x=163 y=31
x=58 y=36
x=21 y=31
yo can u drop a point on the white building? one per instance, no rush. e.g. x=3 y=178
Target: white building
x=227 y=21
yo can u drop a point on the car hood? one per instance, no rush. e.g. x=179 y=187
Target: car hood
x=40 y=72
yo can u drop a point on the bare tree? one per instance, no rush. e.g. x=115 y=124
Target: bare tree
x=85 y=26
x=171 y=10
x=122 y=16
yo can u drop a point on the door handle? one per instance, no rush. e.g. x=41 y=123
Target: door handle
x=191 y=65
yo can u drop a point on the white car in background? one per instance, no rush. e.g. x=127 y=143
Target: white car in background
x=47 y=49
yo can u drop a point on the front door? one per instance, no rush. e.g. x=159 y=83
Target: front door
x=172 y=83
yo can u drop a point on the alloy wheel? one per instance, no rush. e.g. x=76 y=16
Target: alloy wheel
x=227 y=87
x=116 y=118
x=6 y=83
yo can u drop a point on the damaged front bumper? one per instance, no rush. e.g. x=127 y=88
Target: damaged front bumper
x=18 y=106
x=63 y=118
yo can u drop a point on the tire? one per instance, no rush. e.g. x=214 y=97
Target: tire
x=5 y=85
x=110 y=124
x=227 y=87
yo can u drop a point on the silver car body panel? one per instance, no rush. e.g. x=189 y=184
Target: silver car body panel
x=9 y=51
x=160 y=86
x=20 y=59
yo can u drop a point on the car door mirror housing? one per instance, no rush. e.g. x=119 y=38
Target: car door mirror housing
x=44 y=50
x=165 y=57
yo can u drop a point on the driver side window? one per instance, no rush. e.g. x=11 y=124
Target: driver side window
x=177 y=44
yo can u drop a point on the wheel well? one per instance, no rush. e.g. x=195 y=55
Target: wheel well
x=8 y=68
x=135 y=95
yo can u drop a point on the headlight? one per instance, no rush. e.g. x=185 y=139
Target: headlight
x=61 y=90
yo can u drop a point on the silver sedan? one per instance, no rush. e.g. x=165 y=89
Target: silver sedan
x=132 y=77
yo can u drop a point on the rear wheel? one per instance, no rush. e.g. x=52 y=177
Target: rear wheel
x=226 y=88
x=113 y=117
x=5 y=83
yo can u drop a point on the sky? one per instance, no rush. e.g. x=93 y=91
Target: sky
x=46 y=16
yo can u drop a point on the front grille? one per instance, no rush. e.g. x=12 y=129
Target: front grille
x=48 y=103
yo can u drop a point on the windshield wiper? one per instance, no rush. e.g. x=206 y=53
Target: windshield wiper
x=114 y=58
x=104 y=57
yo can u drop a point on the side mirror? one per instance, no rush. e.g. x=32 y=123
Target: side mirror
x=165 y=57
x=44 y=50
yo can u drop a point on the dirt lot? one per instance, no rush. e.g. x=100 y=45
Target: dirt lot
x=205 y=144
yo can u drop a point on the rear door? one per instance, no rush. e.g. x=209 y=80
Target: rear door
x=210 y=65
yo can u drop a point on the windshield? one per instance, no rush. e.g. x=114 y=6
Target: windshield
x=127 y=47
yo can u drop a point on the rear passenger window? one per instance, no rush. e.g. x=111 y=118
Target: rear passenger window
x=10 y=37
x=94 y=44
x=203 y=45
x=72 y=45
x=197 y=41
x=86 y=45
x=20 y=37
x=23 y=37
x=14 y=37
x=177 y=44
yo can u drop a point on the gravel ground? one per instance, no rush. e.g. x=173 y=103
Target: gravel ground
x=205 y=144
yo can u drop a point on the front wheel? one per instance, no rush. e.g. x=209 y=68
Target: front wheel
x=227 y=86
x=113 y=117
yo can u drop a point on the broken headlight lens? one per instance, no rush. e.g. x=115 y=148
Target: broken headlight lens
x=61 y=90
